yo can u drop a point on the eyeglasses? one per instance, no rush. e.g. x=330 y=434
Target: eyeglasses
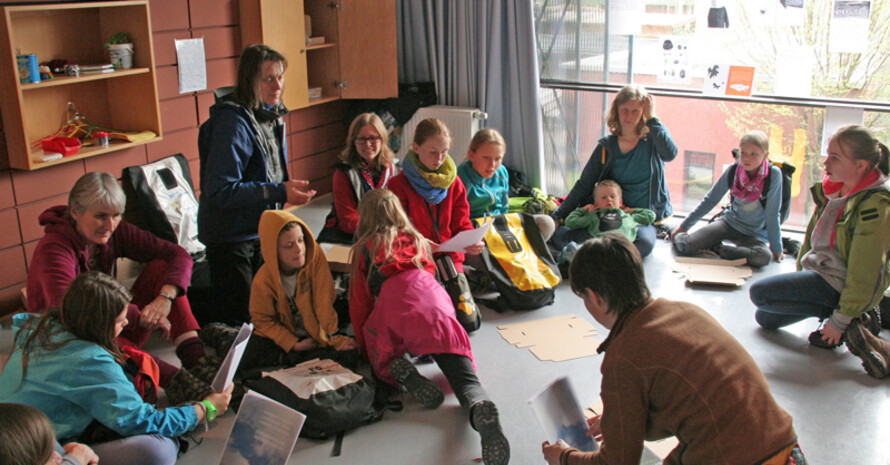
x=365 y=140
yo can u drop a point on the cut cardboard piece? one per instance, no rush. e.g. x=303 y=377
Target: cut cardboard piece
x=713 y=271
x=653 y=451
x=554 y=339
x=337 y=256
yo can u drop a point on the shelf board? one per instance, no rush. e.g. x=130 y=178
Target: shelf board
x=65 y=80
x=322 y=100
x=321 y=46
x=85 y=152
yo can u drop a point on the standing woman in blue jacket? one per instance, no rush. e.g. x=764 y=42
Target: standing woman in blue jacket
x=243 y=154
x=67 y=363
x=633 y=156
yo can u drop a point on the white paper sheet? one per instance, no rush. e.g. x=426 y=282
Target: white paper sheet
x=836 y=117
x=192 y=65
x=674 y=59
x=794 y=71
x=464 y=239
x=230 y=364
x=265 y=432
x=849 y=26
x=624 y=17
x=561 y=416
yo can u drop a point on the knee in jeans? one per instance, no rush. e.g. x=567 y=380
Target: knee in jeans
x=765 y=320
x=759 y=260
x=155 y=450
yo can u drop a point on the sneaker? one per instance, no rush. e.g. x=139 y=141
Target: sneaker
x=816 y=340
x=872 y=320
x=218 y=336
x=873 y=351
x=495 y=447
x=423 y=390
x=680 y=243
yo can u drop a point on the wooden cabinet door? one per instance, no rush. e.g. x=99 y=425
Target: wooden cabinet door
x=368 y=52
x=279 y=24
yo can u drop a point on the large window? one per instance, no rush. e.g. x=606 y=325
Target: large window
x=798 y=75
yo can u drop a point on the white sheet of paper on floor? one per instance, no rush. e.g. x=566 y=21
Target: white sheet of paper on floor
x=653 y=451
x=554 y=339
x=265 y=431
x=713 y=271
x=233 y=358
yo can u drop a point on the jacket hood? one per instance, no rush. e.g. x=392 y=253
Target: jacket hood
x=270 y=226
x=228 y=103
x=55 y=221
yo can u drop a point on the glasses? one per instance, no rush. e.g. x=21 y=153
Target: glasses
x=365 y=140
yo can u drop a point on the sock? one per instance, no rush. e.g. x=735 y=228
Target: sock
x=190 y=352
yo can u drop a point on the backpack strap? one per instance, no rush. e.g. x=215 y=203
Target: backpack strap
x=603 y=169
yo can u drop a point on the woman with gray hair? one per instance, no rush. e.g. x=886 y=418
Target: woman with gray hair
x=89 y=235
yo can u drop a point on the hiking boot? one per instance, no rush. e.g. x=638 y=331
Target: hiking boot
x=186 y=387
x=884 y=307
x=208 y=367
x=423 y=390
x=816 y=340
x=218 y=336
x=872 y=320
x=495 y=447
x=872 y=350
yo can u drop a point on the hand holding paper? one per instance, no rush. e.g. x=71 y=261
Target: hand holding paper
x=229 y=366
x=464 y=239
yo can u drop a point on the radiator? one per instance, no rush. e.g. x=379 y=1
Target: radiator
x=462 y=123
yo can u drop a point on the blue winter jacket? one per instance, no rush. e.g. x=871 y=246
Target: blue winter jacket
x=487 y=197
x=81 y=381
x=661 y=148
x=235 y=189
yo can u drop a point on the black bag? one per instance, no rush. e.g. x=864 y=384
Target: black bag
x=519 y=263
x=328 y=411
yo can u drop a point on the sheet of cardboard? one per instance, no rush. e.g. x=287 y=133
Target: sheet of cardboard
x=338 y=257
x=714 y=274
x=712 y=261
x=554 y=339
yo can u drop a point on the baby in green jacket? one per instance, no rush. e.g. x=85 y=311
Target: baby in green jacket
x=608 y=213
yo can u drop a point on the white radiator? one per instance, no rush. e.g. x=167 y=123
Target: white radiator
x=462 y=123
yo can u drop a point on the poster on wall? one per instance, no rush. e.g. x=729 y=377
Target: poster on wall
x=624 y=17
x=675 y=59
x=733 y=80
x=849 y=26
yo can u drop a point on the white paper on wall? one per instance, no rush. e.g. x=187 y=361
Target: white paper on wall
x=794 y=71
x=849 y=26
x=192 y=65
x=624 y=17
x=836 y=117
x=675 y=59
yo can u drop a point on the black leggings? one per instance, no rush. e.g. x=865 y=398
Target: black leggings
x=461 y=376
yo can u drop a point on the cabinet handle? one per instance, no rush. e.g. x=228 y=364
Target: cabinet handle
x=337 y=5
x=340 y=84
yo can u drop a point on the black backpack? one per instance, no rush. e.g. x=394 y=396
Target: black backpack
x=787 y=170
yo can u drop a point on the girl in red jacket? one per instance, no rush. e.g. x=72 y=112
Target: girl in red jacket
x=397 y=307
x=435 y=200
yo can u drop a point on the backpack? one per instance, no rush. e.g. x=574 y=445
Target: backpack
x=787 y=170
x=332 y=397
x=519 y=262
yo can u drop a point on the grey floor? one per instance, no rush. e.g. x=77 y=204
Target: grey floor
x=841 y=415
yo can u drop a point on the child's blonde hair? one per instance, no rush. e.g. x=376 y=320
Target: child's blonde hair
x=381 y=219
x=607 y=183
x=757 y=138
x=430 y=127
x=487 y=136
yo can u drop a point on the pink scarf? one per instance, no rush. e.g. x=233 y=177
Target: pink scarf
x=830 y=187
x=747 y=188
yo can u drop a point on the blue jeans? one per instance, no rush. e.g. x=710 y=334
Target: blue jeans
x=787 y=298
x=644 y=242
x=144 y=449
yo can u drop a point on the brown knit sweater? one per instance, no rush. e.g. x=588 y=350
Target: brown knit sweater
x=671 y=369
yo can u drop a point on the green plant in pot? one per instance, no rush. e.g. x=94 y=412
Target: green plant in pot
x=120 y=50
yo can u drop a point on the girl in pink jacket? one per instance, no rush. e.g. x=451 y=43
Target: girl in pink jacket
x=398 y=308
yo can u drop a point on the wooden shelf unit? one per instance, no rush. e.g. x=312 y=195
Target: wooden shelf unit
x=125 y=100
x=357 y=60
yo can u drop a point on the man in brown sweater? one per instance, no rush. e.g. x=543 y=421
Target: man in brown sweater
x=670 y=370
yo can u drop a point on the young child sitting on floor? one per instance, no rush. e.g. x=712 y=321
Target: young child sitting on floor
x=397 y=307
x=609 y=214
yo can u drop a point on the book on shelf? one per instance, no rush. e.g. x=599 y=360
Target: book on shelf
x=96 y=69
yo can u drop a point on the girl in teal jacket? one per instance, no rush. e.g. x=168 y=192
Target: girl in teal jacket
x=67 y=364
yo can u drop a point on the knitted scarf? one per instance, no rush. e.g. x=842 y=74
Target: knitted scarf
x=431 y=185
x=749 y=188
